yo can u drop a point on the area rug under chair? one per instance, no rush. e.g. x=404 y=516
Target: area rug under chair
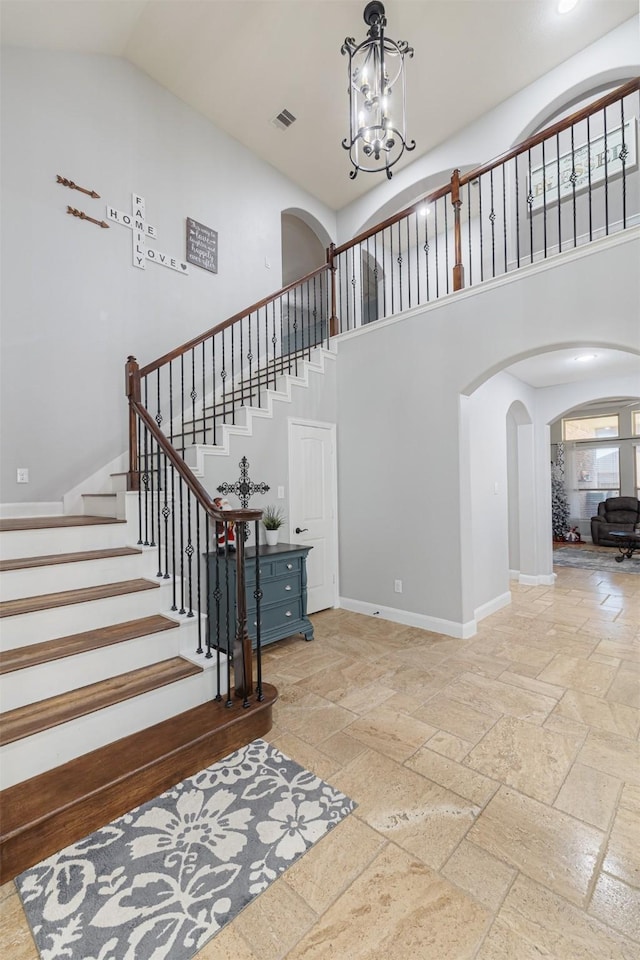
x=159 y=882
x=596 y=560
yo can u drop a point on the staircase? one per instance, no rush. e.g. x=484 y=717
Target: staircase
x=105 y=701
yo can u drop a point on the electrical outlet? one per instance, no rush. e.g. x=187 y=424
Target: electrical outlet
x=397 y=586
x=22 y=475
x=280 y=493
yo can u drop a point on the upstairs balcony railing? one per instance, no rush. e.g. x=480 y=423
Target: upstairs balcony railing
x=566 y=186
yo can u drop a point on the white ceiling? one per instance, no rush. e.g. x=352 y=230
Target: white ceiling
x=570 y=366
x=240 y=62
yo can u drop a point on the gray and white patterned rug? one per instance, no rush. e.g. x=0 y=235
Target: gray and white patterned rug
x=158 y=883
x=603 y=560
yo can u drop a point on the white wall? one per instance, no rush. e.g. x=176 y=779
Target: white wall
x=73 y=307
x=407 y=494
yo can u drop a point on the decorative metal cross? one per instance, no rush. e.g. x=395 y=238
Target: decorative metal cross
x=244 y=487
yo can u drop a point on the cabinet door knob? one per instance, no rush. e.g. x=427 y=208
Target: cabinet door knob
x=289 y=566
x=288 y=613
x=288 y=586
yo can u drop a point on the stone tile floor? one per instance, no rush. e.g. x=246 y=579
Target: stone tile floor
x=497 y=782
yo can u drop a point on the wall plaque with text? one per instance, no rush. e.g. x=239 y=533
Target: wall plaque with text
x=202 y=246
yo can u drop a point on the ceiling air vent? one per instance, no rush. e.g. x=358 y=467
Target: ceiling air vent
x=284 y=119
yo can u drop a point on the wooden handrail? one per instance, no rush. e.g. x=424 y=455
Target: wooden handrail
x=179 y=351
x=555 y=128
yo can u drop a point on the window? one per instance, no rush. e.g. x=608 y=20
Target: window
x=596 y=476
x=635 y=423
x=591 y=428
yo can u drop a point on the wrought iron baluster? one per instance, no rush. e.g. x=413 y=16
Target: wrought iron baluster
x=188 y=552
x=391 y=262
x=446 y=243
x=241 y=326
x=384 y=277
x=208 y=598
x=204 y=393
x=606 y=174
x=217 y=597
x=213 y=389
x=316 y=341
x=504 y=217
x=408 y=262
x=417 y=259
x=145 y=476
x=199 y=648
x=250 y=358
x=530 y=200
x=223 y=377
x=558 y=192
x=353 y=286
x=174 y=603
x=480 y=230
x=470 y=262
x=182 y=424
x=517 y=212
x=399 y=260
x=435 y=243
x=295 y=330
x=233 y=374
x=589 y=194
x=425 y=248
x=492 y=220
x=274 y=340
x=166 y=512
x=182 y=609
x=193 y=395
x=139 y=429
x=157 y=505
x=623 y=159
x=228 y=642
x=573 y=179
x=171 y=401
x=544 y=200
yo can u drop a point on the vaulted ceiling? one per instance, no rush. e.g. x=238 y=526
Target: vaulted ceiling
x=241 y=62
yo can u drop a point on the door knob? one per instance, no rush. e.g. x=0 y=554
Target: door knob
x=301 y=529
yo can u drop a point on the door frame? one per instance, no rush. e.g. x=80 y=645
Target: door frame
x=332 y=428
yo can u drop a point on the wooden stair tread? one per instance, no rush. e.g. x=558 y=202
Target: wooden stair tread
x=36 y=717
x=43 y=523
x=26 y=563
x=49 y=650
x=47 y=601
x=59 y=807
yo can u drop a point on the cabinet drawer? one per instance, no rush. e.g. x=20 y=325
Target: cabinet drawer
x=277 y=616
x=275 y=591
x=287 y=565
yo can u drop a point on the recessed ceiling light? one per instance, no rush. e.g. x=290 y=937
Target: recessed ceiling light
x=585 y=357
x=566 y=6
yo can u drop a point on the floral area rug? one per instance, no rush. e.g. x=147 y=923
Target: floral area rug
x=162 y=880
x=596 y=560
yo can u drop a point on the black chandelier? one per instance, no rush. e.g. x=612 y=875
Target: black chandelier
x=377 y=126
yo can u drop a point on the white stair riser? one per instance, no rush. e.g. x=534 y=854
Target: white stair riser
x=35 y=581
x=21 y=687
x=49 y=624
x=38 y=543
x=43 y=751
x=102 y=505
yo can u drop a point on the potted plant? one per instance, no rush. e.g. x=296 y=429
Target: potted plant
x=272 y=519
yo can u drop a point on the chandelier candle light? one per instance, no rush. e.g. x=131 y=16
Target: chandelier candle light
x=377 y=101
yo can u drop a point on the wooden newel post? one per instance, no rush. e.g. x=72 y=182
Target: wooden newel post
x=458 y=269
x=133 y=393
x=242 y=653
x=333 y=319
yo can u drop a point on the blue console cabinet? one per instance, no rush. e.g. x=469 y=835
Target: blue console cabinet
x=283 y=582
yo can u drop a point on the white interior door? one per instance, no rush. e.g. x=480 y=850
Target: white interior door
x=313 y=507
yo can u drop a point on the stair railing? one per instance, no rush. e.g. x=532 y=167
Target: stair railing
x=567 y=185
x=195 y=543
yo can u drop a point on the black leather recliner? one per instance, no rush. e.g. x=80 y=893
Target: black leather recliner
x=616 y=513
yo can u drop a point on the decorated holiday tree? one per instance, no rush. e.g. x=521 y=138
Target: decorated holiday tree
x=559 y=507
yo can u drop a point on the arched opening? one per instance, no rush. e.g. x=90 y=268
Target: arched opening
x=303 y=245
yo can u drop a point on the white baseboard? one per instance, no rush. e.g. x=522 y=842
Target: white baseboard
x=492 y=606
x=540 y=580
x=450 y=628
x=35 y=509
